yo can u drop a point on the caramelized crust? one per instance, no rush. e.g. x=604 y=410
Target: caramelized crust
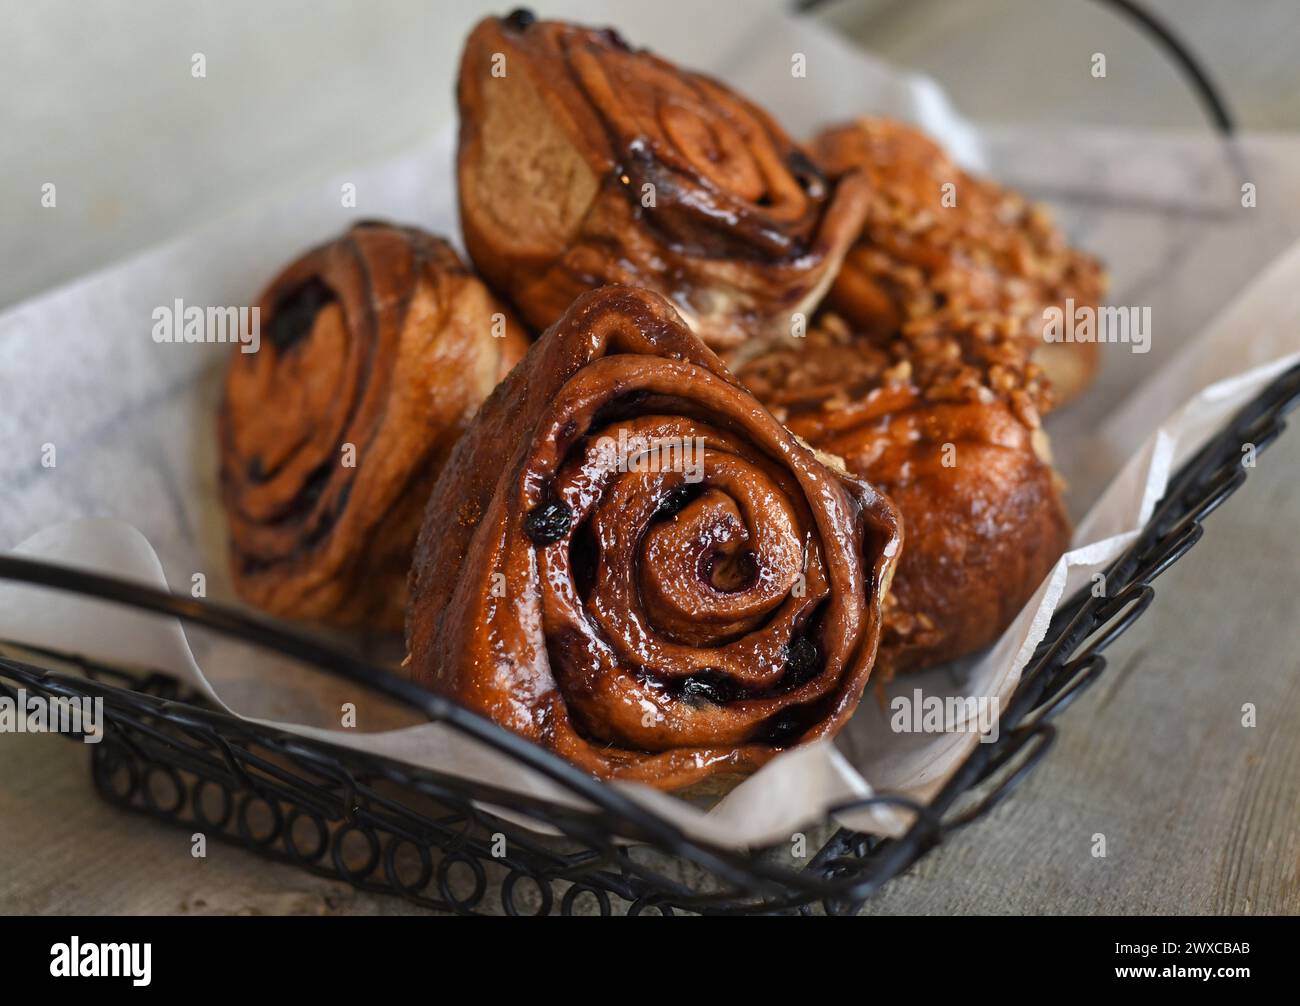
x=944 y=420
x=376 y=349
x=584 y=162
x=598 y=600
x=993 y=252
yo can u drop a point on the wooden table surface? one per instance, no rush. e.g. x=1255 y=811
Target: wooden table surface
x=1200 y=813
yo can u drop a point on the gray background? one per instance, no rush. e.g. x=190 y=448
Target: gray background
x=99 y=97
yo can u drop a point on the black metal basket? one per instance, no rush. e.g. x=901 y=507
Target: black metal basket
x=433 y=838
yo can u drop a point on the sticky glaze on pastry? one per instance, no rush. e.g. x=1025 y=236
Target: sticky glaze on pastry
x=584 y=162
x=645 y=626
x=945 y=421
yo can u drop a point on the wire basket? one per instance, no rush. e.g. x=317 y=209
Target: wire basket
x=445 y=842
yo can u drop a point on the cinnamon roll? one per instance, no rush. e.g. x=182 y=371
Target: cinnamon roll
x=945 y=420
x=631 y=562
x=584 y=162
x=939 y=241
x=376 y=349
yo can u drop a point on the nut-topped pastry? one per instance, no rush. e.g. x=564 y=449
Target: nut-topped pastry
x=938 y=241
x=944 y=419
x=585 y=162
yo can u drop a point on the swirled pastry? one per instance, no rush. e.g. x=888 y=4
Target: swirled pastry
x=945 y=421
x=584 y=162
x=376 y=350
x=990 y=251
x=630 y=561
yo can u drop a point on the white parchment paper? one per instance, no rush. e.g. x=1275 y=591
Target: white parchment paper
x=133 y=487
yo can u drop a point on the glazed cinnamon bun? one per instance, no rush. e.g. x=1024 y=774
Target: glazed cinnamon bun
x=628 y=560
x=376 y=349
x=584 y=162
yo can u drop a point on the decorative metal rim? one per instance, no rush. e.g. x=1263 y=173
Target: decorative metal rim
x=395 y=811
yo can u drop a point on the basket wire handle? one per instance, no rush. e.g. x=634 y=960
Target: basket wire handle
x=1209 y=95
